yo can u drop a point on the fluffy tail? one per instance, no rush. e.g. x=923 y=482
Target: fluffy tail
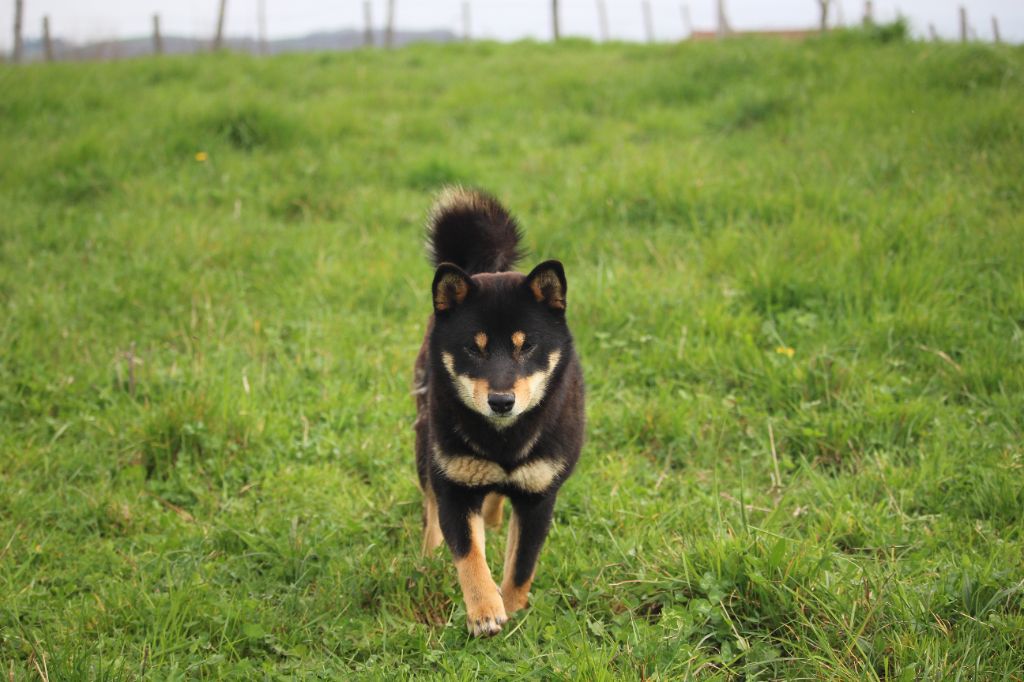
x=472 y=230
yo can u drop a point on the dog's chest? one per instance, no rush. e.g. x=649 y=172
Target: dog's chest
x=533 y=476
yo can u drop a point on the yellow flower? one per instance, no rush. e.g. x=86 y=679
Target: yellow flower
x=201 y=156
x=785 y=350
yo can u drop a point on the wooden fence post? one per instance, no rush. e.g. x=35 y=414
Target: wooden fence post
x=218 y=38
x=47 y=41
x=963 y=24
x=869 y=13
x=555 y=33
x=465 y=21
x=19 y=12
x=158 y=40
x=602 y=19
x=933 y=33
x=687 y=23
x=367 y=24
x=648 y=20
x=261 y=21
x=723 y=21
x=995 y=30
x=823 y=18
x=389 y=32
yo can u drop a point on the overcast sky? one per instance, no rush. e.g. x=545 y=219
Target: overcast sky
x=82 y=20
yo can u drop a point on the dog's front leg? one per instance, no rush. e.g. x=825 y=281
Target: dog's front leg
x=463 y=527
x=531 y=519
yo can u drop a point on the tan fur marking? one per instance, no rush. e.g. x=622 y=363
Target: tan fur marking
x=518 y=339
x=547 y=288
x=470 y=471
x=451 y=288
x=481 y=389
x=432 y=537
x=515 y=597
x=521 y=388
x=473 y=472
x=481 y=341
x=530 y=389
x=485 y=611
x=472 y=392
x=493 y=510
x=535 y=476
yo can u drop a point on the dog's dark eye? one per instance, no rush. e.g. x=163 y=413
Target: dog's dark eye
x=527 y=347
x=474 y=350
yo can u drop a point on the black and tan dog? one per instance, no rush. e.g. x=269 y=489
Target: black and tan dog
x=499 y=401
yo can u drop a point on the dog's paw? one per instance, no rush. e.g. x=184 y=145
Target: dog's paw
x=486 y=627
x=486 y=620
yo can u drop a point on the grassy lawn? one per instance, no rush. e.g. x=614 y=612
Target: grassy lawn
x=796 y=279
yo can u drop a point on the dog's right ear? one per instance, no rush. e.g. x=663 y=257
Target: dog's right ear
x=547 y=284
x=451 y=286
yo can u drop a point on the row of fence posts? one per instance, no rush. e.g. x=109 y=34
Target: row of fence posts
x=723 y=27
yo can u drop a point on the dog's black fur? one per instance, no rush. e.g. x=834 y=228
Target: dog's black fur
x=499 y=400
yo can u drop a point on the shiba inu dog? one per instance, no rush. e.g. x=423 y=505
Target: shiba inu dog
x=499 y=401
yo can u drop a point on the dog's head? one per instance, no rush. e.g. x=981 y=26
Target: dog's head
x=500 y=336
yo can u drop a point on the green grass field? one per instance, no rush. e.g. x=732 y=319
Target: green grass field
x=206 y=464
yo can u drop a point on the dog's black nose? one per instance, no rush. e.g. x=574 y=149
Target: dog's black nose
x=501 y=402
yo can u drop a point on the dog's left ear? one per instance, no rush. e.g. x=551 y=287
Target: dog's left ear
x=547 y=284
x=451 y=286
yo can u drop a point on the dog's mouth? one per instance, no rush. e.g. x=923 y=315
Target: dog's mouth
x=502 y=413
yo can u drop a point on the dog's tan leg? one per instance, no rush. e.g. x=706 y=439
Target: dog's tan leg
x=431 y=528
x=485 y=611
x=494 y=508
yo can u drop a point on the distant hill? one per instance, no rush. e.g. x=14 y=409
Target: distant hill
x=345 y=39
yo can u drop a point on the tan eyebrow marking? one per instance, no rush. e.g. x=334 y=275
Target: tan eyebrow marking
x=518 y=339
x=481 y=340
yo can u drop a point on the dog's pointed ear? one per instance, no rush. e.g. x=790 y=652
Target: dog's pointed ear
x=547 y=284
x=451 y=286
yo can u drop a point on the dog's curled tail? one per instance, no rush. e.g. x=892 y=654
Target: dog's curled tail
x=473 y=230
